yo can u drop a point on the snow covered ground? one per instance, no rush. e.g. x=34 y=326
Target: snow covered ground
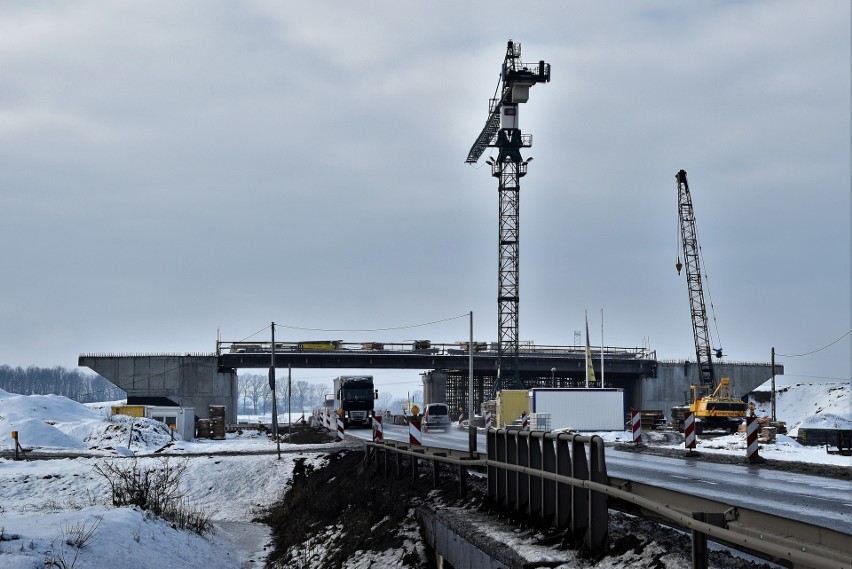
x=58 y=512
x=812 y=405
x=47 y=506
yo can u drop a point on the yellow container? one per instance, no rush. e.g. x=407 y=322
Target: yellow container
x=511 y=404
x=131 y=410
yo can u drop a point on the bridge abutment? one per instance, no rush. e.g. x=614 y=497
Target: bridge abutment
x=188 y=380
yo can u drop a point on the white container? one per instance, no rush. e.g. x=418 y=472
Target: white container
x=580 y=409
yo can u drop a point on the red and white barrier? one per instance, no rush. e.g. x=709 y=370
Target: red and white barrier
x=525 y=421
x=689 y=430
x=378 y=433
x=461 y=418
x=415 y=435
x=340 y=433
x=751 y=440
x=487 y=420
x=636 y=423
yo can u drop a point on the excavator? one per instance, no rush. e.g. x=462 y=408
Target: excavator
x=713 y=404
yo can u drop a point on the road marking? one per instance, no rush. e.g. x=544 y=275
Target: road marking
x=694 y=479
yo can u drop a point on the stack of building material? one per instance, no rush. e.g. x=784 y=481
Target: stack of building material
x=649 y=420
x=202 y=429
x=217 y=421
x=767 y=429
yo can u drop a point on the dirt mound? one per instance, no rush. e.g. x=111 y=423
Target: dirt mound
x=347 y=513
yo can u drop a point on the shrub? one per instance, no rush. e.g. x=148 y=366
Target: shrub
x=155 y=488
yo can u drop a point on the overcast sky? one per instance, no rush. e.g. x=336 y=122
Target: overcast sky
x=170 y=169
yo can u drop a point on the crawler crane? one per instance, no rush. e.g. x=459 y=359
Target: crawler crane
x=713 y=405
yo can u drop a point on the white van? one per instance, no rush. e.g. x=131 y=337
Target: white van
x=436 y=416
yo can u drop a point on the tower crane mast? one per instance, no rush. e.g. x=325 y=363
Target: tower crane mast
x=502 y=131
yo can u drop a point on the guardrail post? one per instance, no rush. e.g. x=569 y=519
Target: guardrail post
x=511 y=476
x=535 y=461
x=522 y=505
x=596 y=535
x=579 y=496
x=502 y=475
x=564 y=492
x=699 y=544
x=491 y=454
x=548 y=487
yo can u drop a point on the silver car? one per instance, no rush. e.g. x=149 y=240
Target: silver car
x=436 y=416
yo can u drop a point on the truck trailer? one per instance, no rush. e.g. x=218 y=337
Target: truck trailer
x=580 y=409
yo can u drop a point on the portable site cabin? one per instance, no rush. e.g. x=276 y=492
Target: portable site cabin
x=592 y=409
x=183 y=418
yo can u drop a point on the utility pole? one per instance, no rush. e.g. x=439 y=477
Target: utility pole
x=290 y=403
x=471 y=428
x=773 y=384
x=274 y=398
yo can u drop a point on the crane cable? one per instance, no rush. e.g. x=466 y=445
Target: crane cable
x=709 y=296
x=706 y=281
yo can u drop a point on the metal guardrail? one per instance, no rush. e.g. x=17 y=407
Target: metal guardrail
x=426 y=347
x=559 y=480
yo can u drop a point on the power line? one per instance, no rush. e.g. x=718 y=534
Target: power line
x=372 y=329
x=814 y=351
x=255 y=334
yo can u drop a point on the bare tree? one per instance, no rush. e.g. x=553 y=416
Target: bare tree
x=384 y=401
x=301 y=394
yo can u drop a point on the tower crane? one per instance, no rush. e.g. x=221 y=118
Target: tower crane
x=712 y=403
x=502 y=131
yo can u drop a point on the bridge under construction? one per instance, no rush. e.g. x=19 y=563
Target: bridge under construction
x=200 y=380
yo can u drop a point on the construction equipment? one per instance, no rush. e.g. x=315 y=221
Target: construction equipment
x=502 y=131
x=713 y=405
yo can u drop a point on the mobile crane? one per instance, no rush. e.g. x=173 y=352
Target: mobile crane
x=713 y=404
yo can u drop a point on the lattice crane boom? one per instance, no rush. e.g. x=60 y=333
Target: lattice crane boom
x=692 y=262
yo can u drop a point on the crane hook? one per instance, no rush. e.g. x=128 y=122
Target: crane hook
x=678 y=265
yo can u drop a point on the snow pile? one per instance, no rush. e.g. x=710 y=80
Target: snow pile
x=53 y=423
x=47 y=507
x=98 y=536
x=811 y=405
